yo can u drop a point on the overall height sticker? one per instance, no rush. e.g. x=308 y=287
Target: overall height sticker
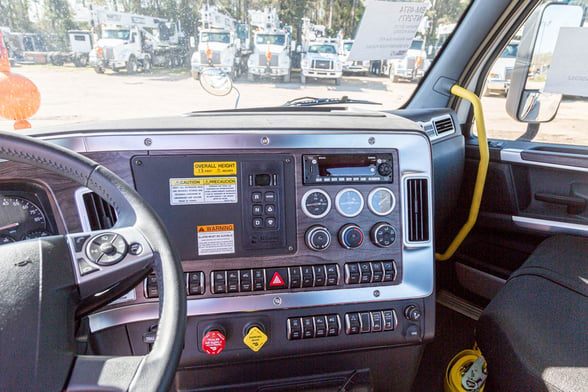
x=216 y=239
x=215 y=168
x=206 y=190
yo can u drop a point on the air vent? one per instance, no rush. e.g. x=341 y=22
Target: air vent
x=101 y=215
x=418 y=209
x=444 y=125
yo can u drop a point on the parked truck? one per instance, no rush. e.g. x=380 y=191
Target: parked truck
x=412 y=66
x=271 y=55
x=81 y=43
x=223 y=43
x=134 y=42
x=321 y=60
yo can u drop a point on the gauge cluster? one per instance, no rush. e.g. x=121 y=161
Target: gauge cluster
x=25 y=212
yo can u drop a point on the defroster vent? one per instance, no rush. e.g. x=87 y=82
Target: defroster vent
x=417 y=209
x=101 y=215
x=444 y=125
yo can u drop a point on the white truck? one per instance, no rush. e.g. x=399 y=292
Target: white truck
x=321 y=60
x=81 y=43
x=271 y=56
x=135 y=42
x=412 y=66
x=349 y=66
x=223 y=43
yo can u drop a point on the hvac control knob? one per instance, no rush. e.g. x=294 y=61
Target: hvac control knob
x=412 y=313
x=382 y=234
x=317 y=238
x=350 y=236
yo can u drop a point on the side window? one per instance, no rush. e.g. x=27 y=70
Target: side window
x=548 y=80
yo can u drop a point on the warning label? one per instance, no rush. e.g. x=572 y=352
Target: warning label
x=215 y=168
x=216 y=239
x=209 y=190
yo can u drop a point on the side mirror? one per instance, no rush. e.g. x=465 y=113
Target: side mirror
x=526 y=100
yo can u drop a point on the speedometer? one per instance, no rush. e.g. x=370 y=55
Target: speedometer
x=20 y=219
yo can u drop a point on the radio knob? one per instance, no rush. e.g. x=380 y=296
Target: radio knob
x=317 y=238
x=382 y=234
x=350 y=236
x=385 y=169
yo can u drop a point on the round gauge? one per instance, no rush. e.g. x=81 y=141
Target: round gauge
x=19 y=217
x=316 y=203
x=349 y=202
x=381 y=201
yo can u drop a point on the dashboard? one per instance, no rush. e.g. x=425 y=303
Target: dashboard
x=306 y=241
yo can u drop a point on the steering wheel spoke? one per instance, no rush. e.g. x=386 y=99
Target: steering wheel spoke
x=104 y=260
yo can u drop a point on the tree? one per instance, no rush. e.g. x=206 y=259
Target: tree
x=443 y=12
x=15 y=14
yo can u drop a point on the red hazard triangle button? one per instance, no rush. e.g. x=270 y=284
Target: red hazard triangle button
x=278 y=280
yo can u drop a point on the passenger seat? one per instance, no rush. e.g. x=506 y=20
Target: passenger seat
x=534 y=333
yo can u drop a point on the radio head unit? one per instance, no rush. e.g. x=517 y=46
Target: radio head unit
x=348 y=169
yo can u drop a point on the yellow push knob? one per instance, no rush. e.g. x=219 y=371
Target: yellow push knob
x=255 y=339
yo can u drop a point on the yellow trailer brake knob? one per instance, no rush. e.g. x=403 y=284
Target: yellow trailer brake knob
x=255 y=339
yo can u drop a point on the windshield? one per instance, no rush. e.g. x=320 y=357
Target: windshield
x=511 y=50
x=417 y=44
x=322 y=49
x=215 y=37
x=116 y=34
x=158 y=74
x=272 y=39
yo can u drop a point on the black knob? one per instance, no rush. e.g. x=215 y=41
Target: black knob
x=382 y=234
x=412 y=313
x=318 y=238
x=350 y=236
x=385 y=169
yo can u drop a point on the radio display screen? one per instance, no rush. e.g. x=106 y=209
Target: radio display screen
x=346 y=165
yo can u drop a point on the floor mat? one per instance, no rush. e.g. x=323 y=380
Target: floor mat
x=453 y=333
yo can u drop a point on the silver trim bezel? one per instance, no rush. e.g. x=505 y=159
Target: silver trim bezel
x=305 y=197
x=415 y=160
x=338 y=199
x=370 y=202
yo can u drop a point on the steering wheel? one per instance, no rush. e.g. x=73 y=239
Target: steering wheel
x=45 y=282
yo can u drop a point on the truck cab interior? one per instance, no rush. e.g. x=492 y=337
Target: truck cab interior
x=309 y=248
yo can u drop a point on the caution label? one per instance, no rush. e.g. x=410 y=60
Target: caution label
x=255 y=339
x=215 y=168
x=209 y=190
x=216 y=239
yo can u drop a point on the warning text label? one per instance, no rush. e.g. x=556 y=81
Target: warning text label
x=209 y=190
x=216 y=239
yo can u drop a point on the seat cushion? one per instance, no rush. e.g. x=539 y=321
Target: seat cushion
x=534 y=333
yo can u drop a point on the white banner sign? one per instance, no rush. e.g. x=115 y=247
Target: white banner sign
x=568 y=73
x=387 y=29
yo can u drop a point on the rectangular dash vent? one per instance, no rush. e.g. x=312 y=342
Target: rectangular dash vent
x=418 y=209
x=101 y=215
x=444 y=125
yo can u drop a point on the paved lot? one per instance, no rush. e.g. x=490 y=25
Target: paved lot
x=70 y=94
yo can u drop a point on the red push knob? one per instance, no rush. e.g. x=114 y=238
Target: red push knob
x=213 y=342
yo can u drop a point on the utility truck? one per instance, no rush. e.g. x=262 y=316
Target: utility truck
x=134 y=42
x=223 y=42
x=271 y=47
x=321 y=60
x=81 y=43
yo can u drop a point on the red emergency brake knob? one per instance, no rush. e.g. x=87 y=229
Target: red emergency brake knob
x=213 y=342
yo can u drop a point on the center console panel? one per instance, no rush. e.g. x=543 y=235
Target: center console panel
x=293 y=244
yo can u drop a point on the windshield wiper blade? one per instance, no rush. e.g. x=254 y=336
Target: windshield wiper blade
x=313 y=101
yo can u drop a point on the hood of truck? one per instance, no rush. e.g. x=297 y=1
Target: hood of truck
x=110 y=42
x=274 y=49
x=321 y=56
x=220 y=46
